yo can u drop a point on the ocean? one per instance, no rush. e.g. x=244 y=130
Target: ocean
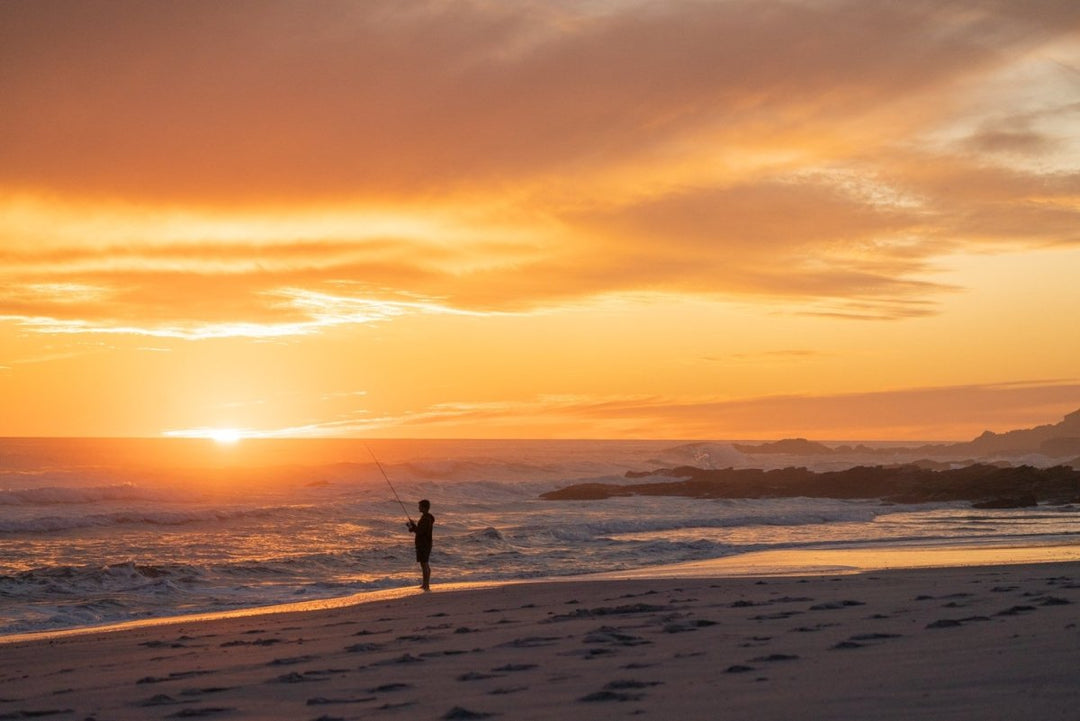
x=97 y=531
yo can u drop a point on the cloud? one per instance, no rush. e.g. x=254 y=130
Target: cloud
x=290 y=312
x=917 y=414
x=207 y=101
x=783 y=356
x=272 y=168
x=796 y=239
x=1011 y=138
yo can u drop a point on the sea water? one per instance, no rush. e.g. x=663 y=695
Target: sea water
x=95 y=531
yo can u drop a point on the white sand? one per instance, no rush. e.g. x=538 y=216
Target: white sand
x=968 y=642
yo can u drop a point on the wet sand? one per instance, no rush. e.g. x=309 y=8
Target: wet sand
x=951 y=642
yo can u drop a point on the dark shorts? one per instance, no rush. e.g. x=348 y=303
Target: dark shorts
x=423 y=553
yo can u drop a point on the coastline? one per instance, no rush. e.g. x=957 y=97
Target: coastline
x=130 y=541
x=969 y=641
x=758 y=564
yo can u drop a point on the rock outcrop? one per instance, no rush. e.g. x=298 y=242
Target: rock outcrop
x=791 y=446
x=987 y=485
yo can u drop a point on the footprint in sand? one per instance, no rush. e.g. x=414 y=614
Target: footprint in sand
x=864 y=639
x=290 y=660
x=620 y=690
x=364 y=647
x=171 y=677
x=1015 y=611
x=163 y=644
x=201 y=712
x=610 y=635
x=295 y=677
x=458 y=714
x=812 y=629
x=204 y=691
x=321 y=701
x=835 y=605
x=160 y=699
x=477 y=676
x=446 y=652
x=599 y=696
x=388 y=687
x=590 y=653
x=515 y=667
x=394 y=706
x=414 y=638
x=531 y=642
x=632 y=608
x=404 y=659
x=954 y=622
x=684 y=626
x=623 y=684
x=775 y=616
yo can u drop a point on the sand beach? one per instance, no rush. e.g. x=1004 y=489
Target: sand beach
x=971 y=641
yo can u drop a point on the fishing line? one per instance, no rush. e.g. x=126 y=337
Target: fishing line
x=388 y=482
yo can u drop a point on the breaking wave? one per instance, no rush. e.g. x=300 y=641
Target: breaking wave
x=49 y=524
x=68 y=495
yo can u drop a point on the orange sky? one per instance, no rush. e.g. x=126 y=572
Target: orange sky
x=726 y=219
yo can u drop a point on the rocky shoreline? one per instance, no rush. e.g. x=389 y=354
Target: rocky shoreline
x=985 y=486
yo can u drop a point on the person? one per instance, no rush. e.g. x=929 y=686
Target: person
x=423 y=530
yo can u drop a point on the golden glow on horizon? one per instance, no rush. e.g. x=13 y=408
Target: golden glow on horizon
x=226 y=436
x=221 y=436
x=543 y=220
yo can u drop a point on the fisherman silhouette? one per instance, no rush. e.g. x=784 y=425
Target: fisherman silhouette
x=423 y=529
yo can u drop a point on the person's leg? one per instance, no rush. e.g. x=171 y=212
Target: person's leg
x=427 y=575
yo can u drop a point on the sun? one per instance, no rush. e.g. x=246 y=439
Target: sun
x=224 y=436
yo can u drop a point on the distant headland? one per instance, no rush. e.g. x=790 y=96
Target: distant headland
x=1059 y=440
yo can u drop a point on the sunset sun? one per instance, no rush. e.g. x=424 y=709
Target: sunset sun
x=225 y=436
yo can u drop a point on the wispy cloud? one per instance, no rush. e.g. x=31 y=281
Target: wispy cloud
x=933 y=413
x=50 y=356
x=779 y=356
x=343 y=394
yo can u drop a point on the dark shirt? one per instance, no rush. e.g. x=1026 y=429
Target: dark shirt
x=423 y=529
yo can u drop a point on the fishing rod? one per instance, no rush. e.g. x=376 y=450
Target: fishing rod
x=381 y=470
